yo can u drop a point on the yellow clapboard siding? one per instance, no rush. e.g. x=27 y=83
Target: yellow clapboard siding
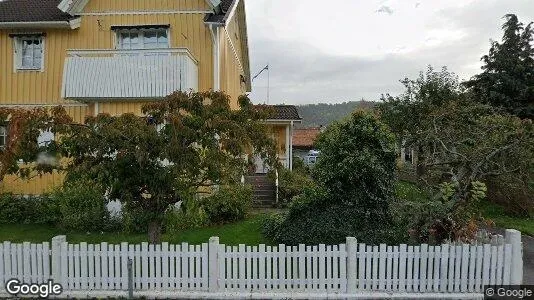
x=35 y=87
x=187 y=29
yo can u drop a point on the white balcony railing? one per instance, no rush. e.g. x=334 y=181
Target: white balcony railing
x=132 y=74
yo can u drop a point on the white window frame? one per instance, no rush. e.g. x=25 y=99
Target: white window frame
x=3 y=136
x=141 y=35
x=17 y=53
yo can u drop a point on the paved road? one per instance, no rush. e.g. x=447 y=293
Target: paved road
x=528 y=260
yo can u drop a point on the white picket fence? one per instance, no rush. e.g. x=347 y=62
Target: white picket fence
x=345 y=269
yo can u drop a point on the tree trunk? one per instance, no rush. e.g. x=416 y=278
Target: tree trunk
x=154 y=232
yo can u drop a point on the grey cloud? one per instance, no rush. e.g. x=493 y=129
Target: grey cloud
x=301 y=73
x=385 y=9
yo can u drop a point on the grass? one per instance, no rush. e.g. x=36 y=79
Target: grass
x=245 y=232
x=408 y=191
x=502 y=219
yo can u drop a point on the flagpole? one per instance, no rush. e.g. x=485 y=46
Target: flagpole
x=268 y=83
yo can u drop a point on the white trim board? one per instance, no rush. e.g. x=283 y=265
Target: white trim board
x=148 y=12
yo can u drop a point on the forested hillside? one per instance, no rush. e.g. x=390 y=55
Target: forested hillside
x=314 y=115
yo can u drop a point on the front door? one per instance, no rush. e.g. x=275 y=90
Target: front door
x=261 y=167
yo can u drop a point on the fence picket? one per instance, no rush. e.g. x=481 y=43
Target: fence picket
x=437 y=271
x=423 y=268
x=507 y=263
x=430 y=268
x=395 y=279
x=457 y=268
x=409 y=269
x=472 y=265
x=402 y=267
x=464 y=268
x=416 y=263
x=486 y=265
x=83 y=266
x=382 y=256
x=444 y=267
x=500 y=258
x=493 y=267
x=362 y=284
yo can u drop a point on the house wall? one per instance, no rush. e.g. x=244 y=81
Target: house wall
x=231 y=59
x=187 y=29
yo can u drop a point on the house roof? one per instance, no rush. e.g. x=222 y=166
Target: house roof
x=284 y=112
x=226 y=6
x=31 y=11
x=304 y=138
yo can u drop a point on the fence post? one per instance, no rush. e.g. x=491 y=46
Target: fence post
x=56 y=257
x=213 y=264
x=513 y=237
x=351 y=264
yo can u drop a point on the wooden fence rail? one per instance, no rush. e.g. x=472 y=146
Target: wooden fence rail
x=348 y=268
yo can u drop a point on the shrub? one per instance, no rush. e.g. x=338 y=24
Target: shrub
x=355 y=176
x=134 y=219
x=190 y=214
x=82 y=206
x=291 y=184
x=513 y=194
x=229 y=204
x=16 y=209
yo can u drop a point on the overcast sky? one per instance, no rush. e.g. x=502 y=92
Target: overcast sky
x=341 y=50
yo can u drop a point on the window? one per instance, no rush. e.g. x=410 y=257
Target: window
x=141 y=38
x=408 y=155
x=3 y=136
x=29 y=52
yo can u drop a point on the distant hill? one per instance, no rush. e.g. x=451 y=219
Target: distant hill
x=314 y=115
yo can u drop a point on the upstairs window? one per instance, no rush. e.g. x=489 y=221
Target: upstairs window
x=133 y=38
x=29 y=52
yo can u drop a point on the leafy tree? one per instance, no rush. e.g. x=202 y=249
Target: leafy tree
x=355 y=176
x=408 y=114
x=23 y=129
x=188 y=143
x=507 y=79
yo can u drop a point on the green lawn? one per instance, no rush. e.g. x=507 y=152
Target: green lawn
x=245 y=232
x=498 y=214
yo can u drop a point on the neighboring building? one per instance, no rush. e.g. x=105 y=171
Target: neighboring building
x=304 y=144
x=102 y=56
x=282 y=127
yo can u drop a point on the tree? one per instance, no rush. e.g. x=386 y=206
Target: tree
x=408 y=114
x=507 y=79
x=187 y=143
x=355 y=176
x=23 y=129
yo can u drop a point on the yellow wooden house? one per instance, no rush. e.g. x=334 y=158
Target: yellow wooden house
x=112 y=56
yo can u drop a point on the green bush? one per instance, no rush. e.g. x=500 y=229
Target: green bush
x=229 y=204
x=82 y=206
x=291 y=184
x=134 y=219
x=191 y=214
x=355 y=179
x=15 y=209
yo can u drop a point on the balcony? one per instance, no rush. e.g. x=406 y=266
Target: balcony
x=128 y=74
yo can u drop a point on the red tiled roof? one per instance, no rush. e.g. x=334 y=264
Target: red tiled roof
x=305 y=137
